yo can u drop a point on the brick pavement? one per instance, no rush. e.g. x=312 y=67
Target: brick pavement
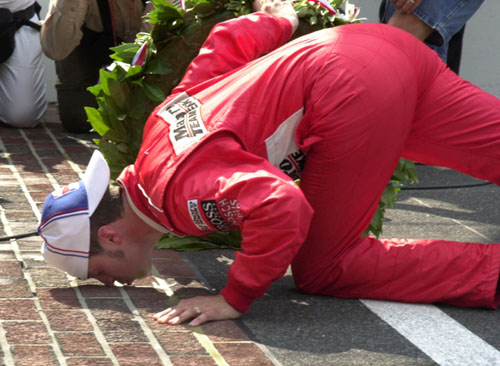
x=49 y=318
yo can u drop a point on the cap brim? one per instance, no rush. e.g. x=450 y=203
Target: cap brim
x=96 y=180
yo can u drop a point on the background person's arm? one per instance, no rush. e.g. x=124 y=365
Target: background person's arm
x=61 y=30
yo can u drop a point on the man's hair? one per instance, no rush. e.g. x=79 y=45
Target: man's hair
x=110 y=209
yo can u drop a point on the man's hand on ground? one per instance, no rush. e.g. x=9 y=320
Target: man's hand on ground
x=201 y=308
x=279 y=9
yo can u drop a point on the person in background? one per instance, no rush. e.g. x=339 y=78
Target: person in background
x=77 y=34
x=22 y=74
x=439 y=23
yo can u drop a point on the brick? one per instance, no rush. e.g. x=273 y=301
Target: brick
x=35 y=175
x=188 y=292
x=33 y=258
x=49 y=277
x=193 y=361
x=90 y=361
x=39 y=196
x=12 y=140
x=58 y=298
x=18 y=310
x=38 y=186
x=144 y=297
x=7 y=255
x=33 y=355
x=79 y=344
x=68 y=320
x=121 y=330
x=36 y=134
x=108 y=309
x=29 y=245
x=25 y=215
x=224 y=331
x=26 y=333
x=247 y=354
x=134 y=354
x=10 y=270
x=180 y=343
x=100 y=291
x=14 y=287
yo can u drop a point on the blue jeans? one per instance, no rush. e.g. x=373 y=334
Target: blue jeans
x=446 y=17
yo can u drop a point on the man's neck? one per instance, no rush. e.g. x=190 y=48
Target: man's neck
x=137 y=228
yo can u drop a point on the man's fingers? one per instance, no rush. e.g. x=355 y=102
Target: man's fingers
x=178 y=316
x=163 y=314
x=199 y=320
x=201 y=309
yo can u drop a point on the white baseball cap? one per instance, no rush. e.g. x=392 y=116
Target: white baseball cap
x=65 y=223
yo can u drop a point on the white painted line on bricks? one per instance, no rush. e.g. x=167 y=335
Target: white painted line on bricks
x=97 y=332
x=73 y=165
x=92 y=320
x=148 y=332
x=197 y=331
x=435 y=333
x=20 y=181
x=36 y=300
x=7 y=358
x=165 y=359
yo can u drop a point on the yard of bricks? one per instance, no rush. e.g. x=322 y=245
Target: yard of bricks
x=49 y=318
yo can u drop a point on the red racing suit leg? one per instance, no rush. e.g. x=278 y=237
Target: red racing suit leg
x=392 y=98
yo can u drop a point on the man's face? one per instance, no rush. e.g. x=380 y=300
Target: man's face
x=124 y=265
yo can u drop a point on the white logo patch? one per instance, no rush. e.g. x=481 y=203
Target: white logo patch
x=282 y=150
x=186 y=125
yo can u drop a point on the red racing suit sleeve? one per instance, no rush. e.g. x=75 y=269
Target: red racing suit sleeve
x=237 y=189
x=234 y=43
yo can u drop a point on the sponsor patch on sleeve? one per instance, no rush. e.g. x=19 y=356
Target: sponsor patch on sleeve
x=213 y=215
x=194 y=211
x=186 y=124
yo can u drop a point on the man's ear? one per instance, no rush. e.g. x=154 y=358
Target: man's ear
x=109 y=236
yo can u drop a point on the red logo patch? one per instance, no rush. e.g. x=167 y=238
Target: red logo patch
x=65 y=190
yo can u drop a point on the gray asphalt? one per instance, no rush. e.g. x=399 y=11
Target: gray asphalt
x=299 y=329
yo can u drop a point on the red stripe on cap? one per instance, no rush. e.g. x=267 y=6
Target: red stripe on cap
x=62 y=213
x=63 y=250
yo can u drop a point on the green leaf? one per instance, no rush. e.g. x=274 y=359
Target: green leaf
x=118 y=92
x=95 y=119
x=124 y=52
x=137 y=109
x=153 y=92
x=116 y=159
x=217 y=240
x=158 y=67
x=96 y=90
x=134 y=71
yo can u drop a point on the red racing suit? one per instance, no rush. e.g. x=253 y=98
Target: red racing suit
x=253 y=113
